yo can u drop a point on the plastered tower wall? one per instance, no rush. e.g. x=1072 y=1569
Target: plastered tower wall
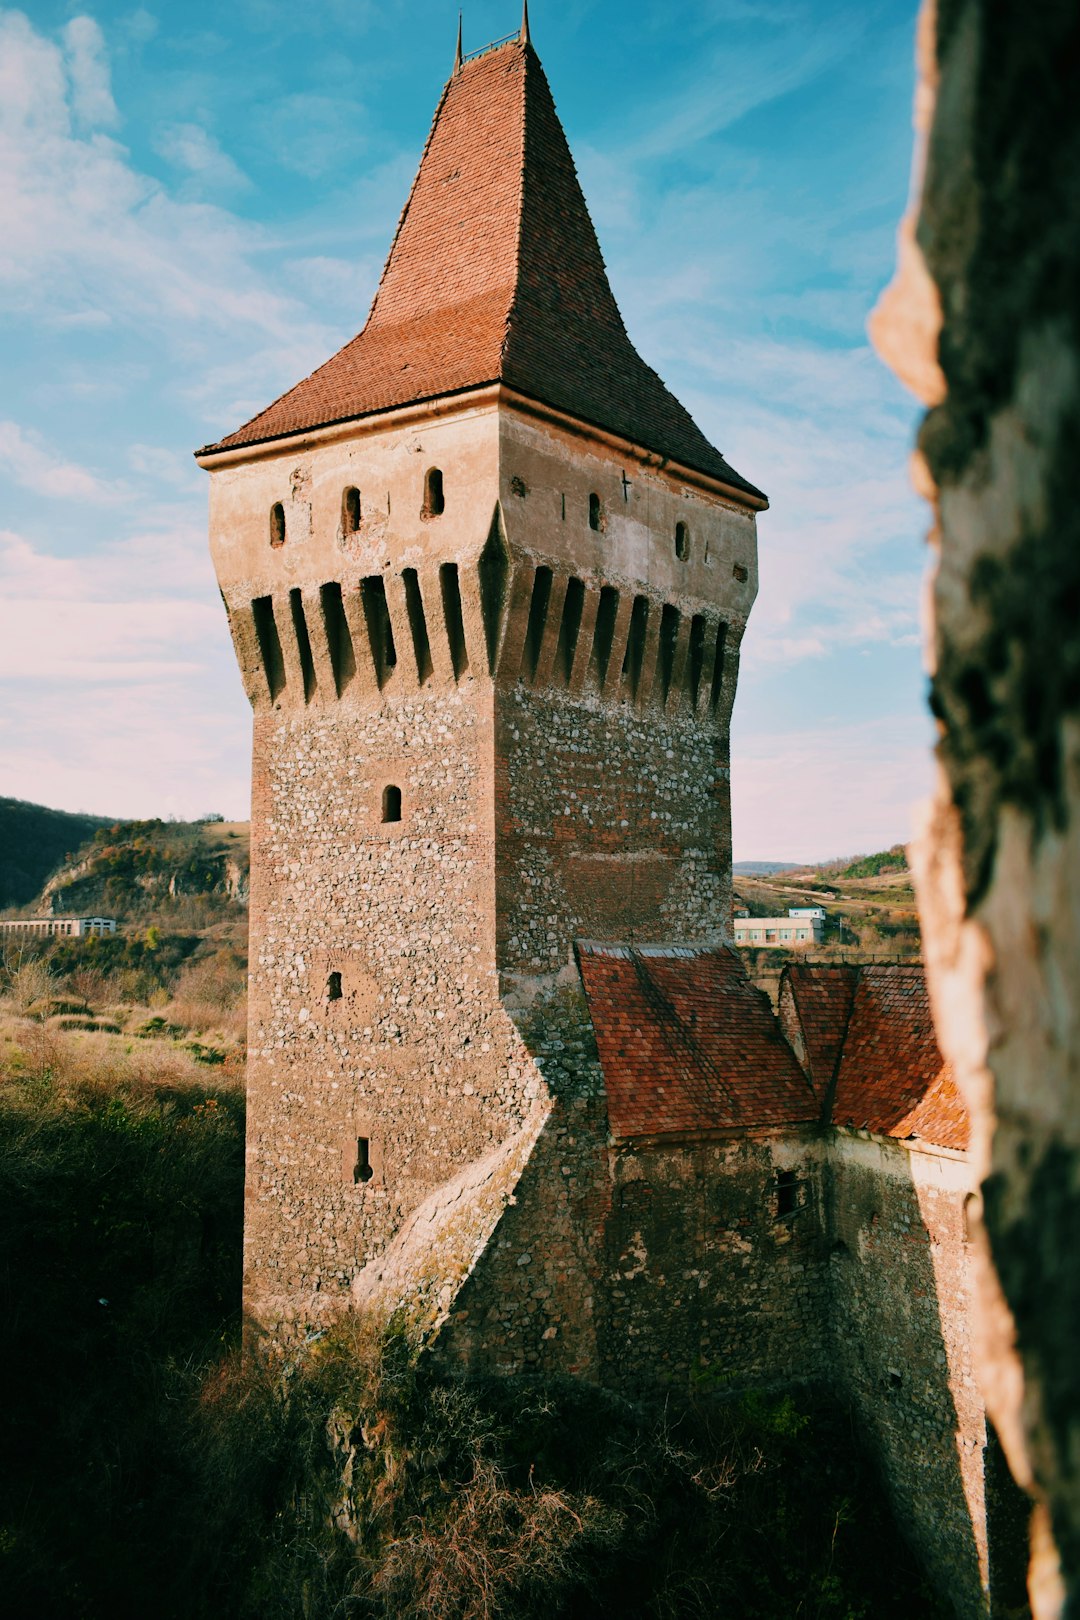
x=459 y=659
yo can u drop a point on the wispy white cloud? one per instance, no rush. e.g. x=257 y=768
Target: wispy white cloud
x=33 y=465
x=84 y=227
x=192 y=149
x=855 y=787
x=88 y=69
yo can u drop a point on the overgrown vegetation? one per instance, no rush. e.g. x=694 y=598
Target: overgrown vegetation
x=886 y=860
x=153 y=1470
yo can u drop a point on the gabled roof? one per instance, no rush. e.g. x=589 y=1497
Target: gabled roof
x=495 y=275
x=687 y=1044
x=815 y=1005
x=891 y=1077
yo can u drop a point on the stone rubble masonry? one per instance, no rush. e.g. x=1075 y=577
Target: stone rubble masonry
x=551 y=702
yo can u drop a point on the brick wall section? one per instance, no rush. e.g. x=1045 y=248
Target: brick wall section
x=899 y=1310
x=611 y=821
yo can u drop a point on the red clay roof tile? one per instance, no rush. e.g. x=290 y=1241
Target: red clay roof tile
x=495 y=275
x=687 y=1044
x=891 y=1079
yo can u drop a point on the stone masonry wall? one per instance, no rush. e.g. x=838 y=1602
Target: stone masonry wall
x=900 y=1347
x=416 y=1055
x=613 y=823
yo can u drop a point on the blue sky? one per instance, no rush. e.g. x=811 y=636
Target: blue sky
x=195 y=203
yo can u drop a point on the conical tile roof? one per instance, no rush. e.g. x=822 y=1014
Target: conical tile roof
x=496 y=275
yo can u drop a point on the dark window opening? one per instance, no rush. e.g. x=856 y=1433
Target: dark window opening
x=604 y=634
x=303 y=644
x=741 y=574
x=277 y=524
x=718 y=666
x=493 y=569
x=573 y=606
x=338 y=639
x=538 y=607
x=896 y=1380
x=333 y=987
x=697 y=655
x=787 y=1193
x=414 y=607
x=391 y=803
x=266 y=632
x=350 y=511
x=362 y=1170
x=669 y=635
x=380 y=630
x=434 y=498
x=450 y=588
x=634 y=656
x=596 y=513
x=518 y=486
x=682 y=541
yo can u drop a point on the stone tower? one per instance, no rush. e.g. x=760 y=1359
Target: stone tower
x=487 y=582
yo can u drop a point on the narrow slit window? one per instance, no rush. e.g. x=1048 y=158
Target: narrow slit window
x=718 y=667
x=696 y=659
x=338 y=638
x=634 y=657
x=596 y=513
x=414 y=607
x=266 y=633
x=303 y=644
x=787 y=1193
x=362 y=1170
x=669 y=635
x=604 y=634
x=450 y=589
x=350 y=511
x=380 y=630
x=333 y=987
x=434 y=496
x=569 y=629
x=277 y=524
x=391 y=802
x=538 y=607
x=682 y=541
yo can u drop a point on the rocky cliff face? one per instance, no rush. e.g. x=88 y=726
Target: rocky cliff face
x=982 y=322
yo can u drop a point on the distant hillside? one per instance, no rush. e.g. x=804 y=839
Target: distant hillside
x=760 y=868
x=34 y=841
x=869 y=903
x=143 y=870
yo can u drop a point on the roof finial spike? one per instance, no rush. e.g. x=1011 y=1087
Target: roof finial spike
x=525 y=22
x=457 y=53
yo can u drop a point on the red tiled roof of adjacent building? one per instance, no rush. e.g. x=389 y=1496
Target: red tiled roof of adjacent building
x=687 y=1044
x=820 y=1001
x=891 y=1079
x=495 y=275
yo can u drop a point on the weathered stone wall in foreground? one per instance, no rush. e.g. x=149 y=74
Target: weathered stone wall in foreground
x=983 y=322
x=899 y=1324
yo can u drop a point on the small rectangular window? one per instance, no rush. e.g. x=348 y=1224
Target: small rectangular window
x=787 y=1193
x=362 y=1170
